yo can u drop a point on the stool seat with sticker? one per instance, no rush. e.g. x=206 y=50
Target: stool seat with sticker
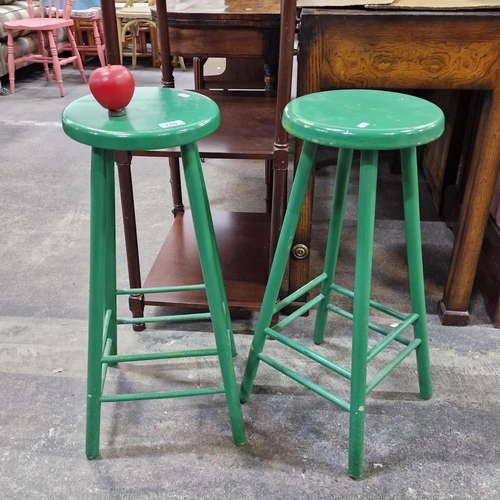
x=155 y=118
x=369 y=121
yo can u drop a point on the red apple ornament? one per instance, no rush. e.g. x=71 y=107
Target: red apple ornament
x=113 y=87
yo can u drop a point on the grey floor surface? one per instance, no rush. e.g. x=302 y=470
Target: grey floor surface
x=447 y=447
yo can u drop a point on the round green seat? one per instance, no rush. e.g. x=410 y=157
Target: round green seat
x=363 y=119
x=156 y=118
x=369 y=121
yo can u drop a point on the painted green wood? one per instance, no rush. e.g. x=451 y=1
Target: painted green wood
x=361 y=308
x=97 y=291
x=415 y=267
x=369 y=121
x=292 y=215
x=363 y=119
x=177 y=117
x=156 y=118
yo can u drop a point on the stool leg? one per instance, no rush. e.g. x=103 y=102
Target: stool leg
x=212 y=276
x=102 y=195
x=333 y=244
x=415 y=266
x=204 y=208
x=361 y=311
x=297 y=195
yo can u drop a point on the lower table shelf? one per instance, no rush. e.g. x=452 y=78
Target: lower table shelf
x=243 y=241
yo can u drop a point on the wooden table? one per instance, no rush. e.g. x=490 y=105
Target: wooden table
x=234 y=29
x=255 y=26
x=415 y=50
x=214 y=28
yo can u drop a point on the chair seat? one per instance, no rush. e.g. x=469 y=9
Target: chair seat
x=176 y=120
x=38 y=23
x=143 y=12
x=86 y=14
x=363 y=119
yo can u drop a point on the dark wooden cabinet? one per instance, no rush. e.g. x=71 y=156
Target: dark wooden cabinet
x=433 y=50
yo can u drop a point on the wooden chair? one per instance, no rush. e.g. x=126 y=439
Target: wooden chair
x=55 y=16
x=135 y=17
x=250 y=129
x=88 y=32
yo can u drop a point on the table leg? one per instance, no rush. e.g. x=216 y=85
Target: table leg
x=453 y=308
x=136 y=302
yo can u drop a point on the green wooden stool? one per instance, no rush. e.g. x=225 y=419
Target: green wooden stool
x=156 y=118
x=368 y=121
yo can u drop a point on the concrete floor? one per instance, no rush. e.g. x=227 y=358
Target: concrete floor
x=447 y=447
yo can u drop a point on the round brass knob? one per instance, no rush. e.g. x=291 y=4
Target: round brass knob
x=300 y=251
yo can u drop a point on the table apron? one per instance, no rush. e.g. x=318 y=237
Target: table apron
x=403 y=52
x=224 y=42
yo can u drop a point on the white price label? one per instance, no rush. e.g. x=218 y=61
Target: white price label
x=174 y=123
